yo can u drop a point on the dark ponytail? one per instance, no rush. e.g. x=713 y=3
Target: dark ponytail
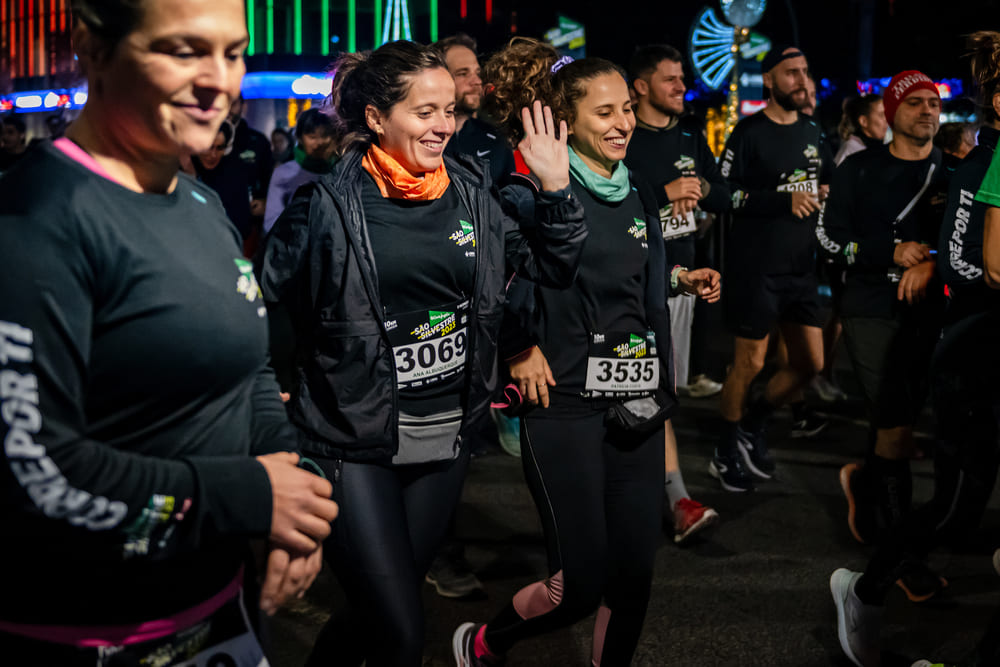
x=380 y=78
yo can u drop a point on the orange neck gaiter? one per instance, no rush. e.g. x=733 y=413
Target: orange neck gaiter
x=395 y=182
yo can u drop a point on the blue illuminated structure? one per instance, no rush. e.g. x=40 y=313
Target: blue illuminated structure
x=256 y=86
x=947 y=88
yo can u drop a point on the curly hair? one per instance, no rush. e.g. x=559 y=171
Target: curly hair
x=513 y=78
x=381 y=78
x=984 y=47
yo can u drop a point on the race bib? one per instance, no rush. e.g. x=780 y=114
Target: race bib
x=810 y=185
x=622 y=365
x=676 y=226
x=429 y=345
x=800 y=180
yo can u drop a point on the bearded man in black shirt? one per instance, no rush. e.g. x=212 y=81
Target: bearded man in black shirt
x=473 y=136
x=777 y=167
x=882 y=224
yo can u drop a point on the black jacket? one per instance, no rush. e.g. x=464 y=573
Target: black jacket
x=318 y=264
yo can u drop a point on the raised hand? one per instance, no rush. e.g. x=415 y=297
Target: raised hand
x=546 y=155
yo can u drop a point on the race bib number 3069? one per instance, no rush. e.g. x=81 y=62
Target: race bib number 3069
x=429 y=345
x=622 y=365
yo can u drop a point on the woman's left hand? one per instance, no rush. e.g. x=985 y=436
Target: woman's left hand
x=705 y=283
x=288 y=575
x=546 y=155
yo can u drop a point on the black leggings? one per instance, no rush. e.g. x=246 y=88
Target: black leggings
x=600 y=500
x=390 y=524
x=965 y=392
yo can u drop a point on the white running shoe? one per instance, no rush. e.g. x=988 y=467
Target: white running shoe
x=701 y=387
x=858 y=624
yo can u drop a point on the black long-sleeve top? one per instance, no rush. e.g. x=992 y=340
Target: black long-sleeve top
x=960 y=260
x=765 y=162
x=662 y=155
x=870 y=190
x=134 y=391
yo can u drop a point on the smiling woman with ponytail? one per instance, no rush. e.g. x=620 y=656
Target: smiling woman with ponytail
x=393 y=270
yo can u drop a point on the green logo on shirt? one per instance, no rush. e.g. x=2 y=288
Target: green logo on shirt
x=797 y=176
x=810 y=151
x=247 y=285
x=638 y=230
x=685 y=163
x=464 y=235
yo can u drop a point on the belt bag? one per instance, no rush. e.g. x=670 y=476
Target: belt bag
x=640 y=416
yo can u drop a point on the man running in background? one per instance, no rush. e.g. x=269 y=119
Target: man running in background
x=776 y=169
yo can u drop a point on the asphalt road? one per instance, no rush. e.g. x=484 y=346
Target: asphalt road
x=753 y=592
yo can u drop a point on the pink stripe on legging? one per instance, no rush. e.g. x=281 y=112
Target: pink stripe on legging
x=123 y=635
x=540 y=597
x=600 y=630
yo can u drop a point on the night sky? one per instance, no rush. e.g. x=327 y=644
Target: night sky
x=907 y=34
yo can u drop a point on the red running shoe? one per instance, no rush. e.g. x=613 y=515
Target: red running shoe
x=691 y=517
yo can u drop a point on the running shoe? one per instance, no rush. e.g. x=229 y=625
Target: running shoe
x=858 y=624
x=753 y=449
x=996 y=560
x=827 y=391
x=691 y=517
x=808 y=424
x=928 y=663
x=463 y=647
x=508 y=432
x=701 y=386
x=860 y=508
x=730 y=472
x=452 y=577
x=919 y=582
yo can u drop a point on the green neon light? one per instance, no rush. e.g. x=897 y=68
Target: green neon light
x=352 y=26
x=297 y=23
x=434 y=21
x=378 y=23
x=270 y=26
x=251 y=27
x=324 y=35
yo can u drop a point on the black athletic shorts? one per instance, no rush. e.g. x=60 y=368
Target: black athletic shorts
x=891 y=358
x=755 y=303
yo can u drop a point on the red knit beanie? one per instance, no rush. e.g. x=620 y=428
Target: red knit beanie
x=902 y=85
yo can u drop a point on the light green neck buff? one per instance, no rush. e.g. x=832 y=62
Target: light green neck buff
x=612 y=189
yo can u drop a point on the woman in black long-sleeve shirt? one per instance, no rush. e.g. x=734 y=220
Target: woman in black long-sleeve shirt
x=134 y=390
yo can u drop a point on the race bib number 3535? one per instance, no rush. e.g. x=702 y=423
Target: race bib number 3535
x=622 y=365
